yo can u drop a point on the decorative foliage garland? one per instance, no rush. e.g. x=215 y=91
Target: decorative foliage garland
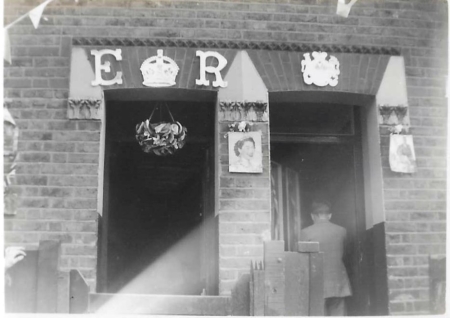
x=161 y=138
x=243 y=110
x=243 y=126
x=386 y=110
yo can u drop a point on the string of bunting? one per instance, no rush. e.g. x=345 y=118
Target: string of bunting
x=35 y=17
x=343 y=9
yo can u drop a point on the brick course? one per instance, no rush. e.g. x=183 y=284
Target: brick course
x=57 y=166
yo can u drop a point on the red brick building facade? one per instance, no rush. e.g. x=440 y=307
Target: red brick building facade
x=60 y=172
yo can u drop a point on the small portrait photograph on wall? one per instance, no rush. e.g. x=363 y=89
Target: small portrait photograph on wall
x=402 y=157
x=245 y=152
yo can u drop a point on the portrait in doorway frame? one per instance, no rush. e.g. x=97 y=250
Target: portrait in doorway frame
x=245 y=152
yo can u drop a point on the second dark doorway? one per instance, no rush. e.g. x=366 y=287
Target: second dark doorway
x=316 y=154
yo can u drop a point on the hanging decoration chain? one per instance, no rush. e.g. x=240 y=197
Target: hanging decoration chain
x=162 y=138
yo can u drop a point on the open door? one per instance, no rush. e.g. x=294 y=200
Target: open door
x=286 y=207
x=209 y=228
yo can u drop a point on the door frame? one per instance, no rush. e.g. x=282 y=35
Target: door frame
x=360 y=286
x=368 y=164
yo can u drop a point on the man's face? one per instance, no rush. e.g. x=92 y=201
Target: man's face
x=247 y=149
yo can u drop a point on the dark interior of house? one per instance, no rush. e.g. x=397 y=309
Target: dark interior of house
x=315 y=119
x=317 y=141
x=325 y=172
x=155 y=202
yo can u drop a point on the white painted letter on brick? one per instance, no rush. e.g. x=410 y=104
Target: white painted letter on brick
x=219 y=82
x=106 y=67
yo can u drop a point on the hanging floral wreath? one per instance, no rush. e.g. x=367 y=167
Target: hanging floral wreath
x=161 y=138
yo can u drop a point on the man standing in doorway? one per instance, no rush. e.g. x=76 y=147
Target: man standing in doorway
x=331 y=238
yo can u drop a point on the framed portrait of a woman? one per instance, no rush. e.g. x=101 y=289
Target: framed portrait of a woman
x=245 y=152
x=402 y=157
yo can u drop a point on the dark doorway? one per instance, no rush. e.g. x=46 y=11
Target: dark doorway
x=156 y=207
x=316 y=153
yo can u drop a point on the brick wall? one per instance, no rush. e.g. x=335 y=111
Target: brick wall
x=57 y=166
x=244 y=220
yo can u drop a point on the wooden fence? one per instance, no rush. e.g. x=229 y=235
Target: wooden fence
x=437 y=284
x=283 y=284
x=34 y=283
x=37 y=285
x=287 y=283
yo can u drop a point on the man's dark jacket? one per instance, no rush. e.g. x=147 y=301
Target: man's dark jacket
x=331 y=238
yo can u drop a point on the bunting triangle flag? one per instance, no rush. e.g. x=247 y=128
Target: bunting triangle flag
x=7 y=116
x=36 y=13
x=7 y=47
x=344 y=9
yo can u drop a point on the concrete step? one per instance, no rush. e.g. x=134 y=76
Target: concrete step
x=159 y=304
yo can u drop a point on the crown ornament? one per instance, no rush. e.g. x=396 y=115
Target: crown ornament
x=159 y=71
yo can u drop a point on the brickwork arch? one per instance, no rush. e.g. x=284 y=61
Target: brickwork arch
x=281 y=71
